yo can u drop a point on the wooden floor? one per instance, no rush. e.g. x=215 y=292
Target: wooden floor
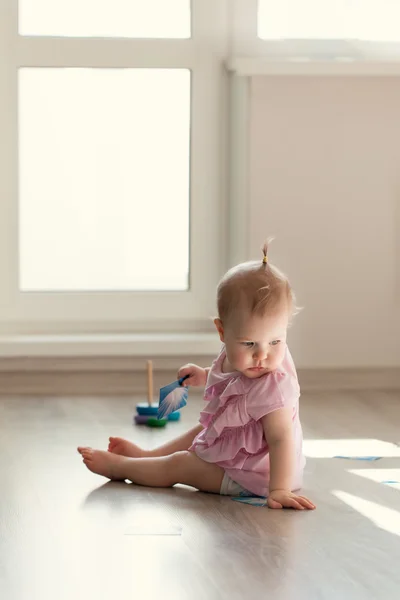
x=68 y=534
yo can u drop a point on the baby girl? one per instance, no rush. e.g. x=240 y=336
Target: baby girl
x=249 y=439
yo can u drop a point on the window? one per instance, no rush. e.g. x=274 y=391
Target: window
x=322 y=30
x=112 y=155
x=366 y=20
x=105 y=18
x=104 y=209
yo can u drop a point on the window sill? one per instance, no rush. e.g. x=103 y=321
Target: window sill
x=248 y=67
x=97 y=345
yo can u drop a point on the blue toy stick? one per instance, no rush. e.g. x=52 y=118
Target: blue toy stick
x=172 y=397
x=368 y=458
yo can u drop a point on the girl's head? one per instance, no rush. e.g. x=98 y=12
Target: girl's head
x=255 y=304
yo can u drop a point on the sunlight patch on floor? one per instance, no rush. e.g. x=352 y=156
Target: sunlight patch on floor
x=350 y=447
x=389 y=477
x=383 y=517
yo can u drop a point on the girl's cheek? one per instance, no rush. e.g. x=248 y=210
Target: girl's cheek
x=280 y=354
x=238 y=355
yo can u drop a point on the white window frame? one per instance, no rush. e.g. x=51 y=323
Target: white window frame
x=251 y=55
x=204 y=54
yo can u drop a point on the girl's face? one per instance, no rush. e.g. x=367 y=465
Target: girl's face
x=254 y=345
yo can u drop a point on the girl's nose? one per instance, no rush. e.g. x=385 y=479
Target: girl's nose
x=260 y=354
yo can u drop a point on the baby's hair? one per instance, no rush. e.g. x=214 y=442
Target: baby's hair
x=255 y=287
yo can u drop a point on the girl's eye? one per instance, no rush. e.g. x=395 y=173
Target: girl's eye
x=275 y=342
x=248 y=344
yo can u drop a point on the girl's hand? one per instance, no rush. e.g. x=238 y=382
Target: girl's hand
x=197 y=375
x=285 y=499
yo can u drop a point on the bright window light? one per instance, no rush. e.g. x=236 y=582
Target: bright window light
x=105 y=18
x=364 y=20
x=104 y=179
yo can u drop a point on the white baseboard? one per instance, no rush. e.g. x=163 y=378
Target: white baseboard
x=123 y=375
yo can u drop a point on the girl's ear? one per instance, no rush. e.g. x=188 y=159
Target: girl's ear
x=220 y=329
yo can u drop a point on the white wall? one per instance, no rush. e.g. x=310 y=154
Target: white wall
x=325 y=180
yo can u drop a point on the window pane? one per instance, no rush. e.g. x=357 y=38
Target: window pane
x=365 y=20
x=104 y=179
x=105 y=18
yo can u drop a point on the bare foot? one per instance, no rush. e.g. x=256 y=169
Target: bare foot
x=124 y=448
x=103 y=463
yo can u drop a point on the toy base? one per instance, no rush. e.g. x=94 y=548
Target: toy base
x=150 y=421
x=175 y=416
x=144 y=409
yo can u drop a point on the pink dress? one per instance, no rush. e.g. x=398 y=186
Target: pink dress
x=233 y=435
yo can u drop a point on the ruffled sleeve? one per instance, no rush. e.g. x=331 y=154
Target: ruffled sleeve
x=272 y=392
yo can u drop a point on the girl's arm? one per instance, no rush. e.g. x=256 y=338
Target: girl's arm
x=196 y=376
x=278 y=431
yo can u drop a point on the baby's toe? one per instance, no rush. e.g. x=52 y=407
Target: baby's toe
x=86 y=452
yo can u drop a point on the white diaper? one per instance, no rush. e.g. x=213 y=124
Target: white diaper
x=231 y=488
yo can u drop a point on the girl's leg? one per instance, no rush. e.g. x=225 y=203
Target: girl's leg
x=127 y=448
x=124 y=447
x=164 y=471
